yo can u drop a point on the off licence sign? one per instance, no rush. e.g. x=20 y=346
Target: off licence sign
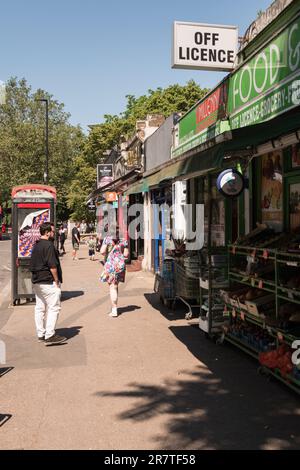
x=203 y=46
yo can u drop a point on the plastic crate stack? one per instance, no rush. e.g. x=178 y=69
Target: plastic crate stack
x=191 y=264
x=186 y=286
x=167 y=285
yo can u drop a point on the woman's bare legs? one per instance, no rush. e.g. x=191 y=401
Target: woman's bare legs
x=113 y=289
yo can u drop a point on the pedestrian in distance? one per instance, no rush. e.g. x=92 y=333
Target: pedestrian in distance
x=82 y=227
x=75 y=240
x=46 y=279
x=92 y=246
x=115 y=252
x=62 y=239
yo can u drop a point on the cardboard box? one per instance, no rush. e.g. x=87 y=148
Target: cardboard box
x=255 y=306
x=243 y=305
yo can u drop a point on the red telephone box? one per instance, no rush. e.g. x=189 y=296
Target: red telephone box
x=32 y=205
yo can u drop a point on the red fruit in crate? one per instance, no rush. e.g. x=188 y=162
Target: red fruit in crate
x=274 y=362
x=274 y=355
x=262 y=357
x=281 y=362
x=281 y=350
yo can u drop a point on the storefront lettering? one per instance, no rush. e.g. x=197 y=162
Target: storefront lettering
x=264 y=109
x=265 y=87
x=256 y=79
x=268 y=68
x=294 y=52
x=206 y=55
x=211 y=108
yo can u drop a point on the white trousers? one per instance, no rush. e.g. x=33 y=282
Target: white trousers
x=47 y=302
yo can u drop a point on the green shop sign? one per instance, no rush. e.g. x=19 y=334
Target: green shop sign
x=207 y=134
x=268 y=84
x=202 y=123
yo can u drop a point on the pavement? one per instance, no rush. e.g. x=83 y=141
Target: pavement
x=148 y=379
x=5 y=278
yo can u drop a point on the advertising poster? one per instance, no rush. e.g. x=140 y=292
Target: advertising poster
x=294 y=206
x=29 y=231
x=271 y=190
x=104 y=174
x=296 y=156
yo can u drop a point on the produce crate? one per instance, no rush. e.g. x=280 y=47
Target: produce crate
x=255 y=306
x=186 y=286
x=164 y=288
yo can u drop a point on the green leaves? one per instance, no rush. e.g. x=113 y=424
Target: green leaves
x=72 y=156
x=105 y=136
x=22 y=141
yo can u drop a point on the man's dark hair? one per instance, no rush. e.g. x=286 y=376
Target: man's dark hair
x=46 y=227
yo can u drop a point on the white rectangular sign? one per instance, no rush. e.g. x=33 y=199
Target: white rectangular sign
x=204 y=46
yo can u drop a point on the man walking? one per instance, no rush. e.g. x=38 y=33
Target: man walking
x=46 y=279
x=75 y=240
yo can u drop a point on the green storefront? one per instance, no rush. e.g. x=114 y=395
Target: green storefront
x=263 y=300
x=252 y=123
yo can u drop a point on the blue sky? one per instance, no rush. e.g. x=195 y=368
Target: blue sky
x=90 y=54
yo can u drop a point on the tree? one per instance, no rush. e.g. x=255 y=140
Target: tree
x=82 y=183
x=173 y=99
x=22 y=142
x=104 y=136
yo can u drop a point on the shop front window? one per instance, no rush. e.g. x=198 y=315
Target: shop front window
x=271 y=191
x=217 y=214
x=294 y=206
x=296 y=156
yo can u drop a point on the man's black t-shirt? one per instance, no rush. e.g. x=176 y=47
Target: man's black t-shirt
x=44 y=256
x=76 y=232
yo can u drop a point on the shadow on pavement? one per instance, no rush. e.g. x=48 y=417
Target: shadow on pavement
x=69 y=332
x=4 y=419
x=177 y=314
x=221 y=403
x=129 y=308
x=67 y=295
x=5 y=370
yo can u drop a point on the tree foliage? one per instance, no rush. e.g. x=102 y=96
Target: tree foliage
x=22 y=142
x=72 y=156
x=173 y=99
x=104 y=136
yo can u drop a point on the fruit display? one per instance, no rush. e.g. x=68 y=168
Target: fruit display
x=289 y=277
x=265 y=237
x=280 y=358
x=265 y=316
x=252 y=336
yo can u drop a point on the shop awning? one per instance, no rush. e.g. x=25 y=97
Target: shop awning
x=260 y=133
x=193 y=163
x=135 y=188
x=199 y=160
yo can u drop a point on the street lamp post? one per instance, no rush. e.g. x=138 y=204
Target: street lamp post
x=46 y=173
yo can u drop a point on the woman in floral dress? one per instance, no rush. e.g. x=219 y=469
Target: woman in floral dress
x=116 y=252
